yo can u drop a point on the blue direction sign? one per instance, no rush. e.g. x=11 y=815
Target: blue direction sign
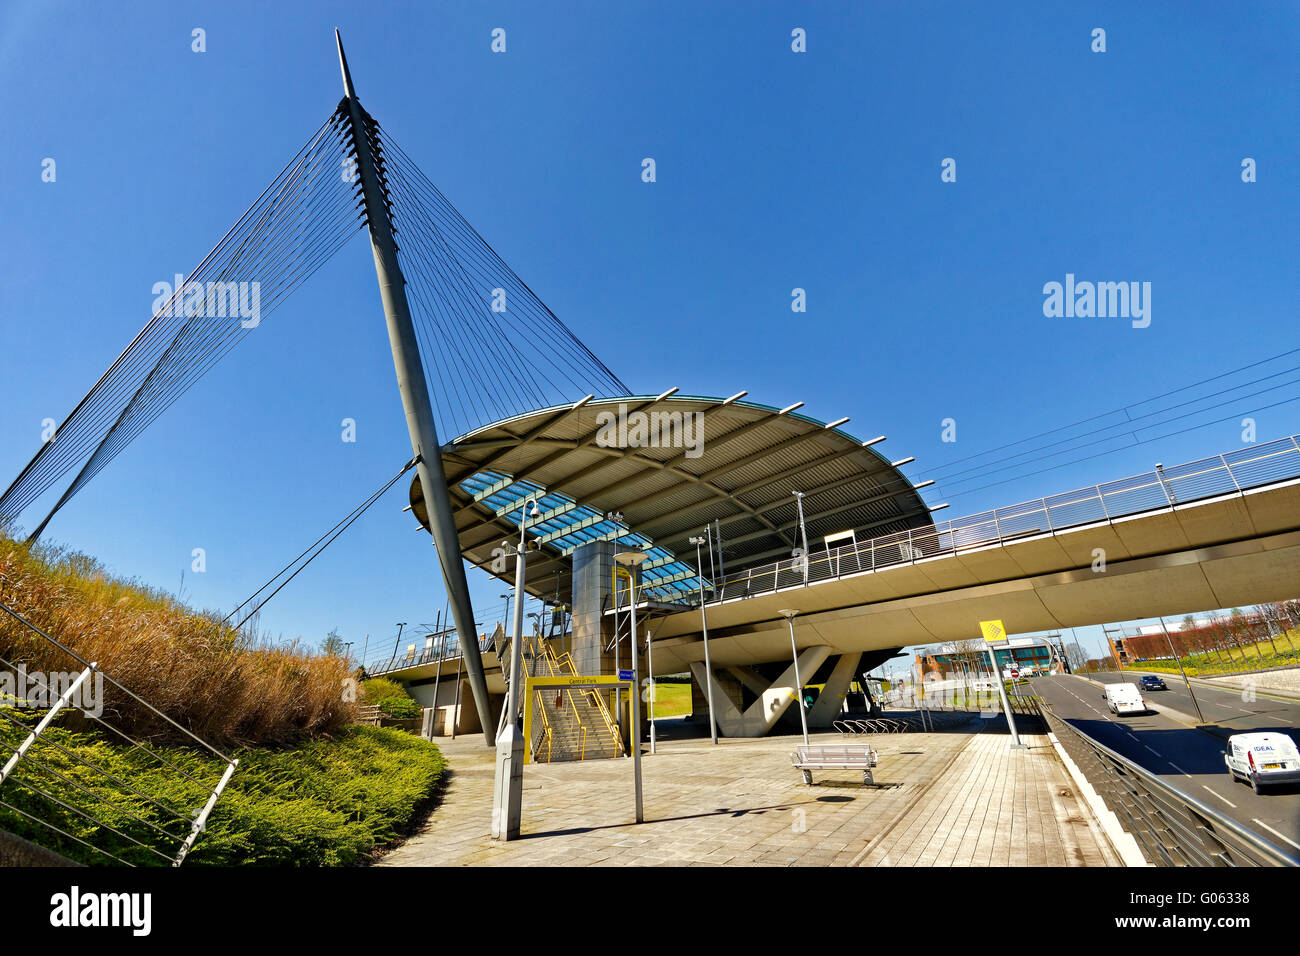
x=624 y=675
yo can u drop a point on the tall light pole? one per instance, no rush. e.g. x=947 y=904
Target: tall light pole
x=1105 y=637
x=650 y=663
x=1179 y=661
x=632 y=561
x=398 y=643
x=789 y=614
x=508 y=789
x=704 y=627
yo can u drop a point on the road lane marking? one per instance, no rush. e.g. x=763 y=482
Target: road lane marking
x=1179 y=769
x=1274 y=832
x=1224 y=799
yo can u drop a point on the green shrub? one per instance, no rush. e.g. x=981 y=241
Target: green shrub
x=377 y=689
x=330 y=802
x=399 y=707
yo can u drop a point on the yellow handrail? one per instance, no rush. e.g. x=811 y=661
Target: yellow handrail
x=555 y=664
x=546 y=730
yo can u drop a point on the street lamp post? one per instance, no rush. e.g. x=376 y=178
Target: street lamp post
x=398 y=643
x=1105 y=636
x=788 y=614
x=704 y=626
x=508 y=789
x=1179 y=661
x=650 y=664
x=632 y=561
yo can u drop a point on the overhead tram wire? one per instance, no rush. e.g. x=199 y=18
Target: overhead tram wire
x=314 y=550
x=1125 y=410
x=1128 y=427
x=1127 y=434
x=1131 y=423
x=1127 y=430
x=1180 y=431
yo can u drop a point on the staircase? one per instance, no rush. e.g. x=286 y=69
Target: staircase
x=569 y=723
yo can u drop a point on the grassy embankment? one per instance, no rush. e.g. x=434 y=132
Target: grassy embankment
x=310 y=789
x=1279 y=652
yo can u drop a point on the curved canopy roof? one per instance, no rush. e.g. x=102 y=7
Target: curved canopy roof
x=649 y=472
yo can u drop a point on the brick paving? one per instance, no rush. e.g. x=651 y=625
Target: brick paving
x=944 y=799
x=996 y=807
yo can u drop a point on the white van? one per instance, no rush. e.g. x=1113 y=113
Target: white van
x=1124 y=699
x=1262 y=759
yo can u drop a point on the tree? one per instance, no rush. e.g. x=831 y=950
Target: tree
x=333 y=644
x=1274 y=618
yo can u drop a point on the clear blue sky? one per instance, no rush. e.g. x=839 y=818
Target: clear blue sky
x=775 y=170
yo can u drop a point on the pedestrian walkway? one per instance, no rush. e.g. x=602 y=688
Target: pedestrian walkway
x=957 y=798
x=996 y=807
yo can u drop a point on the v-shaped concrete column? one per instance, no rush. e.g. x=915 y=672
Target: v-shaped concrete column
x=831 y=700
x=760 y=716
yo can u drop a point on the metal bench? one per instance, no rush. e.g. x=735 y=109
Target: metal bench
x=862 y=757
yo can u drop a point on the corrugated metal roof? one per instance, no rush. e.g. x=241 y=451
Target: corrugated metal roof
x=670 y=465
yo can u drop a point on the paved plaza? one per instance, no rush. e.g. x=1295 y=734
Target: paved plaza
x=960 y=798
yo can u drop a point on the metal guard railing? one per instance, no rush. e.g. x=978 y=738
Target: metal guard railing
x=1230 y=472
x=400 y=660
x=1171 y=827
x=168 y=838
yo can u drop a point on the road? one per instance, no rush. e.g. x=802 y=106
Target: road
x=1170 y=744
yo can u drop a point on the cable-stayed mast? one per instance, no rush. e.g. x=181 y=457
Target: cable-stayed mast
x=413 y=386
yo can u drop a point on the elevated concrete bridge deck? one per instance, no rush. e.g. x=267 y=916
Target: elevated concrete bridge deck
x=1229 y=550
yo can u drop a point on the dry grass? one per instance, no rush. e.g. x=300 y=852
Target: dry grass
x=225 y=686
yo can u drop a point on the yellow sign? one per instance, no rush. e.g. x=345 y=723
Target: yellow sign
x=993 y=631
x=533 y=685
